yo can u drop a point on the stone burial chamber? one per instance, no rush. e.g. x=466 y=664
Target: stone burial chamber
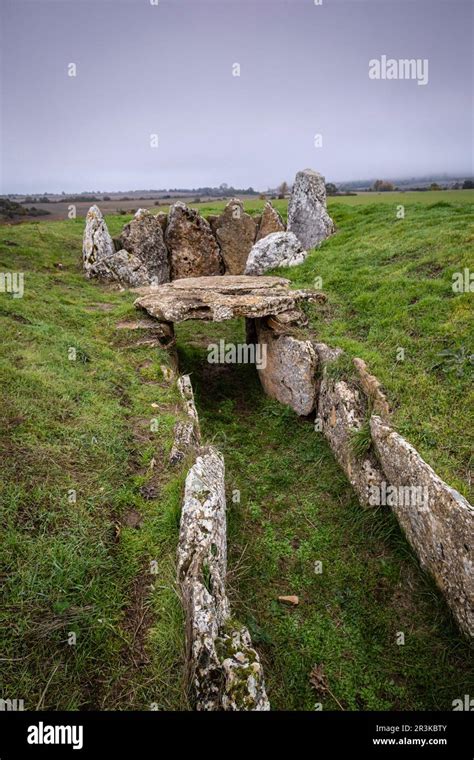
x=272 y=314
x=352 y=413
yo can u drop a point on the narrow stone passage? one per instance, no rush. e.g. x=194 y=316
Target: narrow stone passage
x=368 y=624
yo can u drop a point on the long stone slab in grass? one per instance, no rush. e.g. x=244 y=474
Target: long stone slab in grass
x=219 y=298
x=225 y=669
x=439 y=526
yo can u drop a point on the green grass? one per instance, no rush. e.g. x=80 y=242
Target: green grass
x=84 y=425
x=74 y=566
x=296 y=509
x=389 y=283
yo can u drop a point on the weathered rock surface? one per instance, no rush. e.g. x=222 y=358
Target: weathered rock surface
x=97 y=243
x=235 y=231
x=289 y=372
x=279 y=249
x=244 y=686
x=342 y=410
x=226 y=672
x=307 y=214
x=192 y=248
x=440 y=528
x=187 y=434
x=122 y=267
x=156 y=333
x=373 y=389
x=163 y=220
x=143 y=237
x=220 y=298
x=270 y=221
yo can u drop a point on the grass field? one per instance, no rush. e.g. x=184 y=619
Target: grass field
x=74 y=563
x=78 y=564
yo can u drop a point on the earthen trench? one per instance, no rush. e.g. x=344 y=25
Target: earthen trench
x=232 y=393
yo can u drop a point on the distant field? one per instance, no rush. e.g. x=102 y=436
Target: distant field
x=426 y=197
x=59 y=211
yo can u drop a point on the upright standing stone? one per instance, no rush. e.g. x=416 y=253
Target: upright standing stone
x=270 y=221
x=97 y=242
x=235 y=231
x=288 y=371
x=307 y=214
x=143 y=237
x=192 y=247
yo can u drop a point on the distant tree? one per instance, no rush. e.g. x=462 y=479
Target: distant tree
x=382 y=186
x=283 y=190
x=468 y=184
x=434 y=186
x=331 y=188
x=262 y=197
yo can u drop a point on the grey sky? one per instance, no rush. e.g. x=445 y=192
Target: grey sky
x=167 y=69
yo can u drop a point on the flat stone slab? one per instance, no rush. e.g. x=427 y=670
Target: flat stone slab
x=219 y=298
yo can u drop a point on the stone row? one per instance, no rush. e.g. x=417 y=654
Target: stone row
x=385 y=470
x=154 y=249
x=223 y=667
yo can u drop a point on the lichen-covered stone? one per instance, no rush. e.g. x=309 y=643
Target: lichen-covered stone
x=220 y=298
x=244 y=687
x=163 y=220
x=235 y=231
x=121 y=267
x=279 y=249
x=143 y=237
x=183 y=441
x=289 y=372
x=373 y=389
x=342 y=411
x=226 y=672
x=187 y=434
x=307 y=214
x=192 y=248
x=97 y=243
x=186 y=390
x=270 y=221
x=440 y=527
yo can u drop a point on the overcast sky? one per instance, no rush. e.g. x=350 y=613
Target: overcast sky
x=167 y=69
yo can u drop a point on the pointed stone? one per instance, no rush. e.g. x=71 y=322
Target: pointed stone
x=235 y=231
x=143 y=237
x=97 y=242
x=193 y=250
x=270 y=221
x=307 y=214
